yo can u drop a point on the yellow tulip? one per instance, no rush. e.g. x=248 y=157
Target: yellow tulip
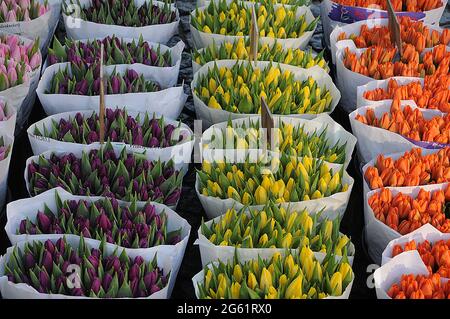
x=251 y=281
x=212 y=86
x=272 y=293
x=266 y=279
x=316 y=195
x=263 y=240
x=206 y=29
x=261 y=195
x=237 y=273
x=328 y=230
x=266 y=183
x=282 y=280
x=208 y=278
x=232 y=193
x=287 y=241
x=334 y=182
x=246 y=199
x=222 y=17
x=235 y=290
x=336 y=284
x=280 y=15
x=205 y=93
x=294 y=290
x=222 y=287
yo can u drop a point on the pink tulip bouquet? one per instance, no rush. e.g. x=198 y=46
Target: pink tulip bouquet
x=12 y=47
x=22 y=10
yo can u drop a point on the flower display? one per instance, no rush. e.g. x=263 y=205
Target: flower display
x=83 y=80
x=404 y=213
x=412 y=32
x=44 y=266
x=22 y=10
x=4 y=149
x=240 y=50
x=410 y=123
x=295 y=276
x=287 y=179
x=411 y=169
x=117 y=51
x=125 y=13
x=119 y=127
x=420 y=287
x=378 y=63
x=276 y=227
x=12 y=73
x=238 y=89
x=397 y=5
x=103 y=173
x=290 y=139
x=436 y=256
x=12 y=48
x=105 y=219
x=434 y=94
x=235 y=19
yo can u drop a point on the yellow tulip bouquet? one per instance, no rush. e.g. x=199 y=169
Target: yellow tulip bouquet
x=240 y=50
x=277 y=227
x=284 y=179
x=274 y=21
x=294 y=276
x=290 y=139
x=239 y=88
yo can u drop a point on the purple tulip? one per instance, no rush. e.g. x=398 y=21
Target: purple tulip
x=30 y=262
x=23 y=227
x=115 y=85
x=173 y=198
x=60 y=245
x=104 y=222
x=132 y=75
x=47 y=261
x=44 y=280
x=96 y=285
x=43 y=221
x=81 y=88
x=94 y=261
x=107 y=278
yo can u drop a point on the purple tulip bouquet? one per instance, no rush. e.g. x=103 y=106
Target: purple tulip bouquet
x=105 y=172
x=46 y=268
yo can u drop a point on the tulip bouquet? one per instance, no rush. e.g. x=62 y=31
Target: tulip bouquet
x=239 y=88
x=404 y=214
x=103 y=172
x=124 y=12
x=22 y=10
x=119 y=127
x=378 y=62
x=13 y=48
x=81 y=80
x=292 y=139
x=287 y=179
x=420 y=287
x=294 y=276
x=432 y=94
x=398 y=5
x=4 y=149
x=44 y=267
x=240 y=50
x=412 y=32
x=276 y=227
x=117 y=51
x=410 y=123
x=105 y=219
x=410 y=169
x=234 y=19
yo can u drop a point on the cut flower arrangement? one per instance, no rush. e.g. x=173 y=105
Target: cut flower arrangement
x=238 y=89
x=24 y=10
x=294 y=276
x=105 y=172
x=420 y=287
x=14 y=51
x=44 y=265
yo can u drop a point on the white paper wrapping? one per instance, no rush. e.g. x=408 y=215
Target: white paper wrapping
x=4 y=166
x=378 y=234
x=391 y=273
x=333 y=206
x=373 y=141
x=77 y=153
x=78 y=28
x=334 y=14
x=9 y=125
x=11 y=290
x=179 y=153
x=168 y=102
x=354 y=28
x=167 y=76
x=335 y=133
x=211 y=116
x=199 y=279
x=28 y=208
x=211 y=253
x=202 y=39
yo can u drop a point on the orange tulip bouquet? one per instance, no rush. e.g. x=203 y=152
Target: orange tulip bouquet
x=388 y=127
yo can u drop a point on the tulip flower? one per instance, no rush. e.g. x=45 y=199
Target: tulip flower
x=103 y=275
x=410 y=169
x=4 y=149
x=301 y=179
x=119 y=127
x=235 y=19
x=125 y=13
x=410 y=123
x=14 y=51
x=13 y=11
x=289 y=139
x=103 y=173
x=242 y=86
x=398 y=5
x=405 y=213
x=240 y=49
x=434 y=94
x=272 y=226
x=275 y=278
x=83 y=80
x=123 y=225
x=116 y=52
x=420 y=287
x=411 y=31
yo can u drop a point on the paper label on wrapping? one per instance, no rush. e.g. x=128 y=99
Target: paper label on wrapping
x=13 y=27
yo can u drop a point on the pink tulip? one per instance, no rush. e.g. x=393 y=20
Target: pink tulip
x=12 y=41
x=15 y=53
x=3 y=152
x=11 y=16
x=4 y=9
x=24 y=4
x=35 y=60
x=43 y=10
x=3 y=69
x=12 y=76
x=26 y=16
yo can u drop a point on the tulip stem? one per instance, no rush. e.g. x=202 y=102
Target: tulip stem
x=102 y=99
